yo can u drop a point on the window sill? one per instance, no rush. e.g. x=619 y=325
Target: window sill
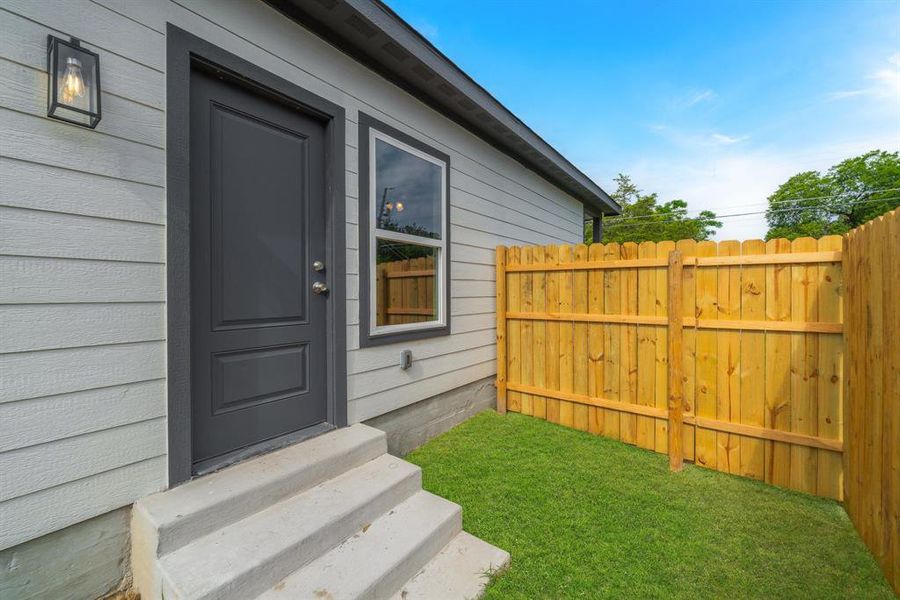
x=369 y=341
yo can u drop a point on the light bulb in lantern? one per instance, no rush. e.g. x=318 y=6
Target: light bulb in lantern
x=389 y=206
x=72 y=83
x=399 y=206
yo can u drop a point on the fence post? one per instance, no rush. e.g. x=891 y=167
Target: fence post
x=676 y=376
x=501 y=329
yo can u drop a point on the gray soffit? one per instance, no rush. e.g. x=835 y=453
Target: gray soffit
x=377 y=37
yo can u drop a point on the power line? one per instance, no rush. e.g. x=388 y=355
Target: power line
x=760 y=212
x=612 y=220
x=615 y=221
x=763 y=208
x=800 y=199
x=747 y=214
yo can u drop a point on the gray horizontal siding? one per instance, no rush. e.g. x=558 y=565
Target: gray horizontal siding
x=29 y=280
x=82 y=253
x=105 y=30
x=43 y=187
x=29 y=327
x=73 y=458
x=49 y=372
x=49 y=418
x=45 y=141
x=56 y=507
x=23 y=233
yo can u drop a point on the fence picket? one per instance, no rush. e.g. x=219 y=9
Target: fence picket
x=525 y=302
x=778 y=352
x=728 y=346
x=804 y=369
x=595 y=340
x=874 y=506
x=612 y=337
x=753 y=361
x=646 y=351
x=891 y=434
x=539 y=333
x=580 y=338
x=566 y=333
x=513 y=331
x=676 y=358
x=891 y=439
x=662 y=339
x=551 y=331
x=831 y=373
x=628 y=356
x=688 y=249
x=706 y=361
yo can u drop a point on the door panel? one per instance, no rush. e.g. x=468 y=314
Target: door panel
x=244 y=378
x=258 y=218
x=257 y=223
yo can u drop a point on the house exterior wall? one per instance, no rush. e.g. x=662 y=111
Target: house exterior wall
x=82 y=247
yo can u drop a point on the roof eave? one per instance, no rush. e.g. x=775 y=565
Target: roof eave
x=377 y=37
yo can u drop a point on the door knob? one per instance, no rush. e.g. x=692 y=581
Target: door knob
x=319 y=288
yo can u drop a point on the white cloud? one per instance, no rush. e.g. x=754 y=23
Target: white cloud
x=887 y=80
x=846 y=94
x=727 y=140
x=885 y=83
x=697 y=97
x=694 y=139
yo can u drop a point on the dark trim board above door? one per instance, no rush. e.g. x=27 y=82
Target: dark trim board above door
x=185 y=53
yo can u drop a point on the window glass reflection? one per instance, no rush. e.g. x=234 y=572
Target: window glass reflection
x=407 y=192
x=405 y=283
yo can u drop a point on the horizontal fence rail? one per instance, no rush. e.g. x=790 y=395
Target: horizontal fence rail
x=811 y=327
x=715 y=261
x=751 y=383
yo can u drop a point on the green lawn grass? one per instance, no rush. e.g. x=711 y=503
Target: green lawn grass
x=588 y=517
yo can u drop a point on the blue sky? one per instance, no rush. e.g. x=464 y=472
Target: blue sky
x=713 y=102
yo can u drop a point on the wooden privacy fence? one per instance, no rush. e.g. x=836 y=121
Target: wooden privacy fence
x=743 y=338
x=872 y=411
x=405 y=291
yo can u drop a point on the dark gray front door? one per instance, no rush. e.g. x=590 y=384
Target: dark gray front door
x=257 y=225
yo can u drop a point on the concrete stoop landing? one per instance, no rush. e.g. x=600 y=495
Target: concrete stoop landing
x=333 y=517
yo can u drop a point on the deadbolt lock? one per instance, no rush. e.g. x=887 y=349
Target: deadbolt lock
x=318 y=266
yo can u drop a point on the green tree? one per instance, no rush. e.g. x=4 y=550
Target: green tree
x=847 y=195
x=644 y=219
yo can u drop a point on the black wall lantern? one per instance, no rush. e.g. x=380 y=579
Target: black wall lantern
x=73 y=86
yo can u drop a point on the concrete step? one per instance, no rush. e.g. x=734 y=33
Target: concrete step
x=379 y=558
x=249 y=556
x=460 y=571
x=167 y=521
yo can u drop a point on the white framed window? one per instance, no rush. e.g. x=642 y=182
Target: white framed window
x=407 y=245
